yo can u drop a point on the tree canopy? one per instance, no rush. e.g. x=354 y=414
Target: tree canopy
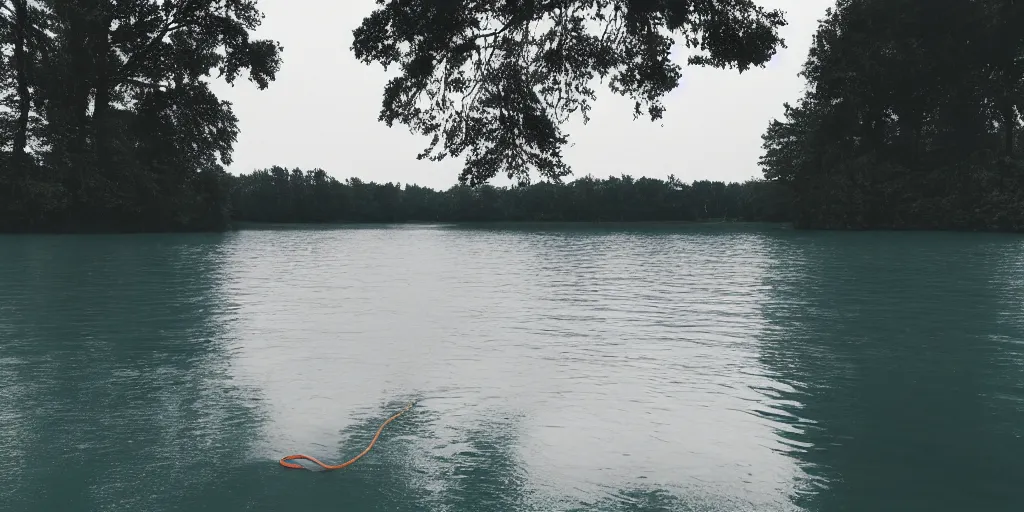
x=494 y=80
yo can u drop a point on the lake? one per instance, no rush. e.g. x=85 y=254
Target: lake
x=719 y=367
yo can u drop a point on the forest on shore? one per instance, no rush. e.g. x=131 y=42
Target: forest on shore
x=910 y=120
x=280 y=195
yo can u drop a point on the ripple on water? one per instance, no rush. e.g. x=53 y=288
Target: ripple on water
x=697 y=368
x=600 y=359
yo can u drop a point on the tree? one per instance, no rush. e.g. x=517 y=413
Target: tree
x=910 y=118
x=127 y=132
x=496 y=79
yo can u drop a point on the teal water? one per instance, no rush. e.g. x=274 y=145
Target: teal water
x=671 y=368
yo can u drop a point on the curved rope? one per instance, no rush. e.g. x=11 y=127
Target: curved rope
x=328 y=467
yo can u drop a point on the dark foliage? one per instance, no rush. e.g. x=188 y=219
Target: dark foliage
x=106 y=121
x=911 y=118
x=279 y=195
x=495 y=79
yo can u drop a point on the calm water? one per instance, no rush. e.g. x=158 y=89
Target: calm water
x=614 y=369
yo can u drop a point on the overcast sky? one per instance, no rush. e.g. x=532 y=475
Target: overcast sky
x=322 y=110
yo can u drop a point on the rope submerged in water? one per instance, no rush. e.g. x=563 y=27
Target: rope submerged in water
x=329 y=467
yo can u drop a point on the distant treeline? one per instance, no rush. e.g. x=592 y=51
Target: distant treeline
x=280 y=195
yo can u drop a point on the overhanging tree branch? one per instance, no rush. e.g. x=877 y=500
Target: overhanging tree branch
x=534 y=71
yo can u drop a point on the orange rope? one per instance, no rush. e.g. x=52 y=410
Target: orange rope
x=342 y=465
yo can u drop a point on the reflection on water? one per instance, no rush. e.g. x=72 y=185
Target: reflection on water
x=630 y=359
x=115 y=389
x=893 y=344
x=713 y=368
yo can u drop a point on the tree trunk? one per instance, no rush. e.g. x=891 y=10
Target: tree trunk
x=21 y=69
x=72 y=95
x=1009 y=128
x=101 y=106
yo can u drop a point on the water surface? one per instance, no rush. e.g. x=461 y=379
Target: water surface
x=648 y=368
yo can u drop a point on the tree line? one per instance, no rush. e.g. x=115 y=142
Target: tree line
x=911 y=118
x=280 y=195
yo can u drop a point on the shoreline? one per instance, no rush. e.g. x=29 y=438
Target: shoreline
x=237 y=226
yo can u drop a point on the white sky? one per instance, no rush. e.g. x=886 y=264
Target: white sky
x=322 y=110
